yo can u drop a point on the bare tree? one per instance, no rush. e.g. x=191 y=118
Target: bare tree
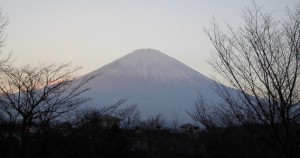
x=130 y=116
x=203 y=114
x=111 y=109
x=88 y=118
x=40 y=93
x=84 y=117
x=213 y=116
x=261 y=60
x=5 y=61
x=3 y=24
x=154 y=122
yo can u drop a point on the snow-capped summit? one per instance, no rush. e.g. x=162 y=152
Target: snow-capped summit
x=157 y=82
x=151 y=64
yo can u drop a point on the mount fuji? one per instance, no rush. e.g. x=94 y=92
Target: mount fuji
x=156 y=82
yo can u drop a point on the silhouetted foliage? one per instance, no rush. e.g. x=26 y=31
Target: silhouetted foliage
x=153 y=122
x=130 y=116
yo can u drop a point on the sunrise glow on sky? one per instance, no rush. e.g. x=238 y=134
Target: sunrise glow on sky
x=92 y=33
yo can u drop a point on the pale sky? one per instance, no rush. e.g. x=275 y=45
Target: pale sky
x=92 y=33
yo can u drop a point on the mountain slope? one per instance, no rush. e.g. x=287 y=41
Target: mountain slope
x=156 y=82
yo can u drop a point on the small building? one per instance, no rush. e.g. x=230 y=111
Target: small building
x=189 y=128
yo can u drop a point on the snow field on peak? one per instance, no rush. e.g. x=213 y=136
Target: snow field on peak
x=152 y=64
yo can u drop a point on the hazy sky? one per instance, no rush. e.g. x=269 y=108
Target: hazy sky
x=92 y=33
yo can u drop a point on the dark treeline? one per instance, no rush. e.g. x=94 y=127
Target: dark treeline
x=93 y=139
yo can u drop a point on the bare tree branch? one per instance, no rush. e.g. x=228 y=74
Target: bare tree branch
x=261 y=60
